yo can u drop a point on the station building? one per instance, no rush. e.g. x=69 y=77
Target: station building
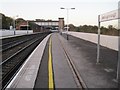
x=39 y=25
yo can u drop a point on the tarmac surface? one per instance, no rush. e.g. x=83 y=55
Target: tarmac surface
x=63 y=76
x=83 y=54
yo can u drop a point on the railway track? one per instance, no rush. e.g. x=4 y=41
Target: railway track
x=11 y=42
x=10 y=50
x=77 y=77
x=19 y=52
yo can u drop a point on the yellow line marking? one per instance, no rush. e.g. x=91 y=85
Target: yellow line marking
x=50 y=69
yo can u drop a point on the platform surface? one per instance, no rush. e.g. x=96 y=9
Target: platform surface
x=83 y=54
x=27 y=74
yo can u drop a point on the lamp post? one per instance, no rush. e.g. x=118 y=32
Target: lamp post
x=67 y=18
x=14 y=23
x=27 y=26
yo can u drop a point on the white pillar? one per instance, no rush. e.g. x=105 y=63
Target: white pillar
x=98 y=45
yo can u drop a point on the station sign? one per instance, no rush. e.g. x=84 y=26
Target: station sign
x=109 y=16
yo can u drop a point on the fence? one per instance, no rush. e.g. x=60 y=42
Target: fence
x=11 y=32
x=107 y=41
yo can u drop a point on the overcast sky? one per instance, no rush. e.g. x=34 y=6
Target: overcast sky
x=86 y=11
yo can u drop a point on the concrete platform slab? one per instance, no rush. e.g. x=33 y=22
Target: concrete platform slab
x=26 y=76
x=62 y=74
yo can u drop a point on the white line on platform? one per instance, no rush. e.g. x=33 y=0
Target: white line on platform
x=15 y=84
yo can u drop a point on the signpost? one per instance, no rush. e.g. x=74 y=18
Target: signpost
x=118 y=67
x=98 y=45
x=27 y=26
x=102 y=18
x=14 y=23
x=0 y=21
x=107 y=17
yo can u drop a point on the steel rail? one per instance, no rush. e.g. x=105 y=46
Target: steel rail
x=14 y=54
x=14 y=44
x=18 y=38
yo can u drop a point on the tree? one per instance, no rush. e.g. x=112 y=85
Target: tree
x=6 y=22
x=71 y=27
x=110 y=27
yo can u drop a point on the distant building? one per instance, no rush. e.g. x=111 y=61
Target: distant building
x=41 y=25
x=23 y=25
x=50 y=24
x=61 y=23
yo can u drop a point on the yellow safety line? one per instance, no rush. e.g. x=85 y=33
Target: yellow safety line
x=50 y=69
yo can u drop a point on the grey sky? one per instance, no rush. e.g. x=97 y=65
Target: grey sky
x=86 y=11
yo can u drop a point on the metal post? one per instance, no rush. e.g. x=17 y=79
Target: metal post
x=67 y=20
x=118 y=66
x=14 y=26
x=41 y=26
x=98 y=45
x=67 y=23
x=27 y=26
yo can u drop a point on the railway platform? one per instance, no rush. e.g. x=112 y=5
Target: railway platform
x=60 y=63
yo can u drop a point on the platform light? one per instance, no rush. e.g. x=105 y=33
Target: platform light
x=67 y=18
